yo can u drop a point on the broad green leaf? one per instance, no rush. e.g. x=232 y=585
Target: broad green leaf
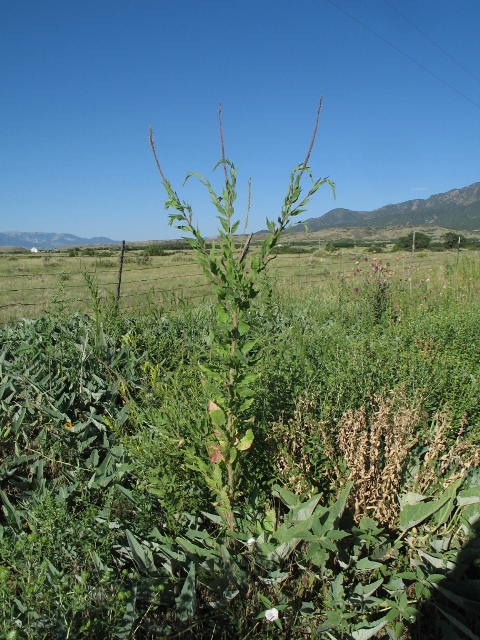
x=287 y=497
x=411 y=498
x=285 y=549
x=187 y=601
x=335 y=512
x=469 y=496
x=227 y=596
x=366 y=633
x=443 y=513
x=413 y=514
x=366 y=590
x=275 y=577
x=243 y=328
x=288 y=532
x=304 y=510
x=471 y=513
x=246 y=442
x=194 y=549
x=217 y=415
x=365 y=564
x=437 y=562
x=248 y=346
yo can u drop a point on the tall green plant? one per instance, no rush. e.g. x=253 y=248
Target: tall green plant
x=236 y=282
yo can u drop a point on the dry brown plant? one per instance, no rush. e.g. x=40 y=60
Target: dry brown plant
x=446 y=459
x=290 y=439
x=375 y=448
x=376 y=445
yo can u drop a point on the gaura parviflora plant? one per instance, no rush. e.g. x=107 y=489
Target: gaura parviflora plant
x=236 y=280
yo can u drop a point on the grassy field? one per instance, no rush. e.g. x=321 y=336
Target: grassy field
x=30 y=283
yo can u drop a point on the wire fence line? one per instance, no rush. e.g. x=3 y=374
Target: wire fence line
x=168 y=282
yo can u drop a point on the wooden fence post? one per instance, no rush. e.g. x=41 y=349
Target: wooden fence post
x=120 y=267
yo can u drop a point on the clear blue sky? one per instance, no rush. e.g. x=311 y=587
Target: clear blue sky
x=81 y=81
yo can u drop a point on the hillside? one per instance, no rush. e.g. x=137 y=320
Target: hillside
x=457 y=209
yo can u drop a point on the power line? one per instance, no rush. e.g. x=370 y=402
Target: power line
x=419 y=64
x=431 y=40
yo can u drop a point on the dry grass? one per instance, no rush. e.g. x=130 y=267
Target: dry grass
x=376 y=447
x=29 y=283
x=446 y=457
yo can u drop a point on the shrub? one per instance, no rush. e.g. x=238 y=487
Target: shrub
x=155 y=250
x=422 y=241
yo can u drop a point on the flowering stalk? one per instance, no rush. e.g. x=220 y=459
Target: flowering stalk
x=235 y=280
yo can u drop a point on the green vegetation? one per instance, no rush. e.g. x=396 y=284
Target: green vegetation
x=155 y=250
x=422 y=241
x=278 y=462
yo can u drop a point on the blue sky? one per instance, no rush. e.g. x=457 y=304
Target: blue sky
x=81 y=82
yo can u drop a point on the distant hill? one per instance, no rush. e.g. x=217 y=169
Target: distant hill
x=47 y=240
x=458 y=209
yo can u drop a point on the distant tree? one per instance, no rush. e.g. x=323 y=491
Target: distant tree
x=422 y=241
x=450 y=239
x=155 y=250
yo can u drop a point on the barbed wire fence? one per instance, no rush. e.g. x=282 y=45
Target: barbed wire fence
x=138 y=284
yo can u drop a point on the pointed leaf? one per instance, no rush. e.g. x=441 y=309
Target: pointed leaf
x=143 y=557
x=187 y=600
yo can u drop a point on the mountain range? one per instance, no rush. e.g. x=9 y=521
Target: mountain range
x=47 y=240
x=458 y=209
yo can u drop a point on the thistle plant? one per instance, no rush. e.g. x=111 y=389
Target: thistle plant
x=236 y=280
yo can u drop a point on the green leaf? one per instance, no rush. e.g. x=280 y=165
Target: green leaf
x=227 y=596
x=143 y=557
x=335 y=512
x=442 y=514
x=217 y=414
x=469 y=496
x=366 y=590
x=187 y=601
x=243 y=328
x=246 y=442
x=439 y=561
x=12 y=515
x=413 y=514
x=287 y=497
x=367 y=565
x=471 y=513
x=369 y=632
x=288 y=532
x=412 y=498
x=304 y=511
